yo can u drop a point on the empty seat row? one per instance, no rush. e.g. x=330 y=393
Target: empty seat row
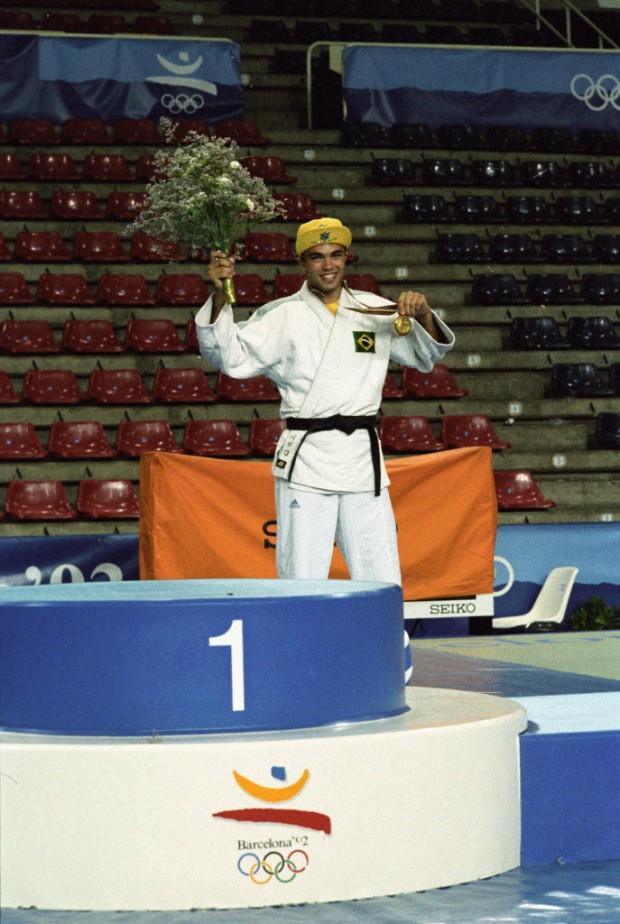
x=468 y=247
x=94 y=131
x=545 y=289
x=97 y=23
x=584 y=380
x=468 y=137
x=534 y=210
x=143 y=335
x=544 y=333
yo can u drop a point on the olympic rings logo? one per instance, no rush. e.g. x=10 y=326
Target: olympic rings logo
x=182 y=103
x=263 y=871
x=597 y=96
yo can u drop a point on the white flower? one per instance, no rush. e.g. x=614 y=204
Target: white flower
x=250 y=205
x=224 y=181
x=235 y=165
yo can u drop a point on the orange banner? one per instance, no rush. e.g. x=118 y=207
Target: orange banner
x=215 y=518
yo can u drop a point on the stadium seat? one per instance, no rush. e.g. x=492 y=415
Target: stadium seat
x=20 y=441
x=614 y=378
x=145 y=248
x=146 y=168
x=444 y=171
x=106 y=24
x=38 y=500
x=534 y=210
x=578 y=380
x=363 y=282
x=365 y=135
x=297 y=206
x=458 y=430
x=147 y=24
x=250 y=289
x=598 y=141
x=551 y=289
x=107 y=499
x=265 y=246
x=611 y=210
x=99 y=247
x=268 y=30
x=182 y=386
x=41 y=247
x=307 y=31
x=20 y=20
x=53 y=168
x=408 y=434
x=477 y=209
x=456 y=137
x=241 y=131
x=286 y=284
x=607 y=430
x=85 y=131
x=439 y=383
x=500 y=173
x=8 y=395
x=125 y=206
x=536 y=334
x=124 y=289
x=553 y=140
x=191 y=338
x=137 y=131
x=577 y=210
x=426 y=208
x=10 y=167
x=513 y=248
x=182 y=289
x=392 y=171
x=74 y=205
x=591 y=175
x=518 y=490
x=51 y=386
x=411 y=135
x=264 y=435
x=185 y=127
x=497 y=289
x=606 y=248
x=40 y=132
x=135 y=437
x=565 y=248
x=22 y=205
x=91 y=335
x=107 y=168
x=5 y=253
x=28 y=337
x=459 y=248
x=592 y=333
x=270 y=169
x=257 y=388
x=117 y=386
x=153 y=335
x=601 y=288
x=543 y=174
x=64 y=289
x=79 y=439
x=391 y=391
x=14 y=290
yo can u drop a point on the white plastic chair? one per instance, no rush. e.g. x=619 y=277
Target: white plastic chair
x=551 y=603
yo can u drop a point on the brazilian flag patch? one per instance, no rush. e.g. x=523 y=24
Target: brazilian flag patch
x=364 y=341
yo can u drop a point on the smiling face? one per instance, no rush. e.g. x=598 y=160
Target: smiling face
x=324 y=266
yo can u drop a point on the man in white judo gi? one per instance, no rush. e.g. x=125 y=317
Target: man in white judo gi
x=328 y=354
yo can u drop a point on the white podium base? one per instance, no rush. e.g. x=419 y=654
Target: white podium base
x=425 y=800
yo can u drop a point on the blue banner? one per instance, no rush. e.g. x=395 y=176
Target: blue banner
x=111 y=78
x=482 y=87
x=27 y=561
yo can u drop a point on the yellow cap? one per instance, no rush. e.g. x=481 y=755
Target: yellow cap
x=322 y=231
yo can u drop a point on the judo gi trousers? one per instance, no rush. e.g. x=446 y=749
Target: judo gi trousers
x=361 y=524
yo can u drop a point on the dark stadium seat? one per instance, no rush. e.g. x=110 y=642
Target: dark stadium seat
x=38 y=500
x=124 y=289
x=551 y=289
x=219 y=438
x=270 y=169
x=297 y=206
x=242 y=132
x=146 y=248
x=607 y=430
x=392 y=171
x=496 y=289
x=458 y=430
x=264 y=435
x=411 y=135
x=51 y=386
x=125 y=206
x=593 y=174
x=64 y=289
x=408 y=434
x=182 y=386
x=137 y=132
x=444 y=171
x=518 y=490
x=578 y=380
x=365 y=135
x=22 y=205
x=391 y=391
x=79 y=439
x=41 y=247
x=117 y=386
x=601 y=288
x=499 y=173
x=513 y=248
x=41 y=132
x=606 y=248
x=85 y=131
x=257 y=388
x=364 y=282
x=543 y=174
x=14 y=290
x=53 y=167
x=99 y=247
x=534 y=210
x=536 y=334
x=477 y=209
x=134 y=437
x=286 y=284
x=553 y=140
x=20 y=441
x=592 y=333
x=107 y=168
x=268 y=246
x=565 y=248
x=439 y=383
x=153 y=335
x=250 y=289
x=28 y=337
x=8 y=395
x=577 y=210
x=459 y=248
x=76 y=205
x=181 y=289
x=107 y=499
x=426 y=208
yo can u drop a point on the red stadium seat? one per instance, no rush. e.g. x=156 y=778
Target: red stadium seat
x=137 y=131
x=124 y=289
x=436 y=384
x=38 y=500
x=518 y=490
x=191 y=338
x=14 y=290
x=391 y=391
x=53 y=168
x=220 y=438
x=106 y=24
x=33 y=131
x=250 y=289
x=408 y=434
x=41 y=247
x=183 y=127
x=241 y=131
x=107 y=499
x=28 y=337
x=257 y=388
x=364 y=282
x=182 y=386
x=51 y=386
x=154 y=25
x=264 y=435
x=125 y=206
x=76 y=205
x=146 y=167
x=54 y=21
x=85 y=131
x=107 y=168
x=265 y=246
x=287 y=284
x=10 y=167
x=182 y=289
x=20 y=441
x=20 y=20
x=99 y=247
x=22 y=204
x=148 y=249
x=91 y=336
x=117 y=386
x=153 y=335
x=134 y=437
x=64 y=289
x=8 y=395
x=297 y=206
x=79 y=439
x=470 y=430
x=269 y=169
x=5 y=253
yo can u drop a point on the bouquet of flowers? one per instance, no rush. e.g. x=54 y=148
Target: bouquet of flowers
x=201 y=197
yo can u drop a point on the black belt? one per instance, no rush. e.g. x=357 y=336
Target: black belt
x=346 y=425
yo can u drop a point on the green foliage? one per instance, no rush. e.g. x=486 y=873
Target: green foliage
x=593 y=615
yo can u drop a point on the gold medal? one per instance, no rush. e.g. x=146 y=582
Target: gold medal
x=401 y=325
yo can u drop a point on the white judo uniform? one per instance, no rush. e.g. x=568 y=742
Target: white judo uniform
x=325 y=365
